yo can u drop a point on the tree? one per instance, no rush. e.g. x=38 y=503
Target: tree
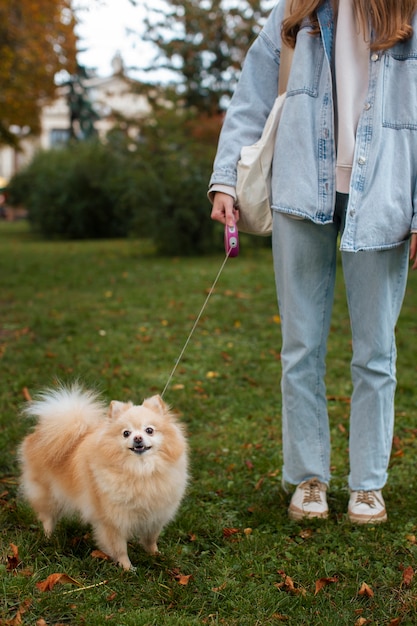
x=37 y=41
x=203 y=43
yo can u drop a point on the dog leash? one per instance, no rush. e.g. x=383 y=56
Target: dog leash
x=231 y=246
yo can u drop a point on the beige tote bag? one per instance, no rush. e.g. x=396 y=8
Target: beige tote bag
x=253 y=187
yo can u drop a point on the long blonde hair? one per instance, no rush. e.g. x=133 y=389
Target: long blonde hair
x=390 y=20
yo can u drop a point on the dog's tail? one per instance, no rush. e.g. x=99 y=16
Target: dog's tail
x=65 y=415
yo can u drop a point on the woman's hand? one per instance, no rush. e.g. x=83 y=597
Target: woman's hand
x=224 y=209
x=413 y=250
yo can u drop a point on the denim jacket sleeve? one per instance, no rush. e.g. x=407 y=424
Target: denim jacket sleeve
x=252 y=100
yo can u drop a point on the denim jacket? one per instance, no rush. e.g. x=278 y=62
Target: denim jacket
x=382 y=207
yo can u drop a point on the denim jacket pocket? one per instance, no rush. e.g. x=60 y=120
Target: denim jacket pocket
x=399 y=110
x=307 y=65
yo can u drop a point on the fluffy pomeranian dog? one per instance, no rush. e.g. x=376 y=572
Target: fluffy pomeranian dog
x=122 y=469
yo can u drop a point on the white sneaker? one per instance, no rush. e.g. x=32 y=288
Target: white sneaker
x=309 y=500
x=367 y=507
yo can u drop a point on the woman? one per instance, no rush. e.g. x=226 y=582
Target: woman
x=345 y=169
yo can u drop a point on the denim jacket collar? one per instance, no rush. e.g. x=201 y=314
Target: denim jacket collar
x=325 y=15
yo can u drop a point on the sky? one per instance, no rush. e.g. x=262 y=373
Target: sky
x=103 y=31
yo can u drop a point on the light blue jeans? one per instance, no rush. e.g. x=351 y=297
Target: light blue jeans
x=305 y=268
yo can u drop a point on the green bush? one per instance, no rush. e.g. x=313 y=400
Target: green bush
x=177 y=207
x=155 y=187
x=75 y=193
x=178 y=148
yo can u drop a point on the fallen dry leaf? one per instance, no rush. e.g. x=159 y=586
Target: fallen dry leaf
x=98 y=554
x=365 y=590
x=111 y=597
x=49 y=583
x=259 y=483
x=9 y=480
x=361 y=621
x=396 y=442
x=345 y=399
x=184 y=579
x=322 y=582
x=13 y=561
x=228 y=532
x=274 y=473
x=212 y=375
x=217 y=589
x=26 y=394
x=288 y=585
x=408 y=575
x=250 y=380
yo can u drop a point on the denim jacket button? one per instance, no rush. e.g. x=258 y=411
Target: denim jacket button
x=375 y=57
x=361 y=160
x=367 y=106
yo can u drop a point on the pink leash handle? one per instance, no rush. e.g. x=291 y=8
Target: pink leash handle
x=231 y=240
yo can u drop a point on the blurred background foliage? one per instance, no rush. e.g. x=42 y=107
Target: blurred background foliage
x=37 y=41
x=146 y=181
x=153 y=187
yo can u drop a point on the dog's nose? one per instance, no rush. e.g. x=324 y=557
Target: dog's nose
x=137 y=439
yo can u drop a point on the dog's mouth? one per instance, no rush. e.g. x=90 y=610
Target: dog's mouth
x=140 y=448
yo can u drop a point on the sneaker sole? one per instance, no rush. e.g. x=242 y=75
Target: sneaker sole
x=297 y=515
x=368 y=519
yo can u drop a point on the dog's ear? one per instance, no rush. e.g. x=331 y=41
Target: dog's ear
x=155 y=403
x=117 y=408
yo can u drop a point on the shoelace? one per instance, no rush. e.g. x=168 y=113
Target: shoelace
x=312 y=492
x=366 y=497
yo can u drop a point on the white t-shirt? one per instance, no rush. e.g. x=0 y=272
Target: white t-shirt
x=351 y=80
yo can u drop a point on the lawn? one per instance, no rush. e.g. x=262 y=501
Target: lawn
x=114 y=315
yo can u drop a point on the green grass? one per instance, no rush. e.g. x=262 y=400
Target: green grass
x=115 y=316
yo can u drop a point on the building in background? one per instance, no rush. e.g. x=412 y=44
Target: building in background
x=112 y=98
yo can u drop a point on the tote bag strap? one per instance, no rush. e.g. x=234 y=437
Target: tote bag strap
x=286 y=58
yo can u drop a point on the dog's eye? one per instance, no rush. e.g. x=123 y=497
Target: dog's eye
x=126 y=433
x=149 y=430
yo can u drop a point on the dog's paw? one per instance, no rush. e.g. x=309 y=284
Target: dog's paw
x=48 y=527
x=125 y=563
x=150 y=548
